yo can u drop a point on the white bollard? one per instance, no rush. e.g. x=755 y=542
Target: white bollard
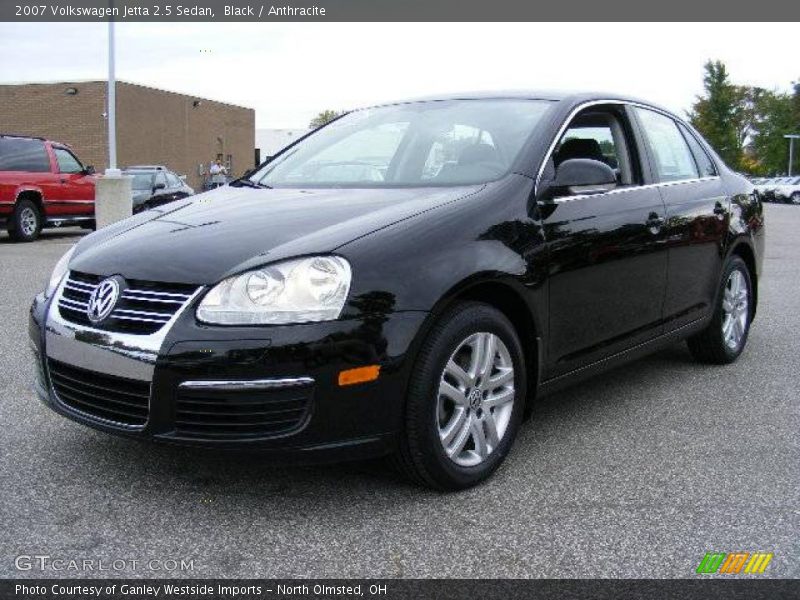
x=112 y=198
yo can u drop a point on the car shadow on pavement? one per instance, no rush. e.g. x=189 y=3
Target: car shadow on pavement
x=68 y=234
x=214 y=476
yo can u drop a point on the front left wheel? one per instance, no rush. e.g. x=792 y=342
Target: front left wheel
x=26 y=223
x=466 y=399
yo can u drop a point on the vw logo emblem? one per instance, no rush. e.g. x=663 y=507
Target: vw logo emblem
x=103 y=299
x=475 y=399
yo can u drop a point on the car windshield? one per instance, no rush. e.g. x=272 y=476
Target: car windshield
x=442 y=143
x=141 y=181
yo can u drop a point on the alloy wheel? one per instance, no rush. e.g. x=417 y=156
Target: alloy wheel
x=28 y=221
x=476 y=399
x=735 y=307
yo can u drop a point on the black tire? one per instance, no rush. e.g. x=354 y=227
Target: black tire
x=421 y=456
x=794 y=198
x=709 y=345
x=26 y=223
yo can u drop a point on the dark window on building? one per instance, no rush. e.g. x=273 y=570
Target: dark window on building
x=18 y=154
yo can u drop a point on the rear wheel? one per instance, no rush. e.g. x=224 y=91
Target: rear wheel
x=795 y=198
x=465 y=400
x=26 y=222
x=725 y=337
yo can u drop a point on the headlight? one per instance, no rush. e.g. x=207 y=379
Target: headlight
x=58 y=272
x=295 y=291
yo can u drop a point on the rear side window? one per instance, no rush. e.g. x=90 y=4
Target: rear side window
x=67 y=163
x=173 y=180
x=704 y=163
x=18 y=154
x=672 y=156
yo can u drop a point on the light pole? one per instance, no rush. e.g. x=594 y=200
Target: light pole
x=112 y=192
x=791 y=137
x=112 y=99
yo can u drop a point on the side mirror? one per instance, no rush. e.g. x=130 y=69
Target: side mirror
x=89 y=170
x=159 y=186
x=583 y=176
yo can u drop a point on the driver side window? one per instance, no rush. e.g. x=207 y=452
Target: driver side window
x=601 y=135
x=67 y=163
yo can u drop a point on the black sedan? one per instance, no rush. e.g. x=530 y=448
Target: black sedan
x=155 y=185
x=408 y=280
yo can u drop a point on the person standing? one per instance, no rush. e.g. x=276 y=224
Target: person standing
x=218 y=174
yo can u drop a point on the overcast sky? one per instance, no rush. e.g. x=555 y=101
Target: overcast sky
x=289 y=72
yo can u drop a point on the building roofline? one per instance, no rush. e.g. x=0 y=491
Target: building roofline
x=123 y=82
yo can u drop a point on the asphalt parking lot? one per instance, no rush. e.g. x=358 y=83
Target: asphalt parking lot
x=637 y=473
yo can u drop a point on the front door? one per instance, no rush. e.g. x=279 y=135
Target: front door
x=75 y=187
x=607 y=262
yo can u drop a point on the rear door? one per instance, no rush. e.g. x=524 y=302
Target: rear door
x=76 y=187
x=607 y=273
x=24 y=165
x=697 y=215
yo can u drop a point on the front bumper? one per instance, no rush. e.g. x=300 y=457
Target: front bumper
x=183 y=362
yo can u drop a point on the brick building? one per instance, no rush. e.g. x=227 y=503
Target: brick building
x=153 y=126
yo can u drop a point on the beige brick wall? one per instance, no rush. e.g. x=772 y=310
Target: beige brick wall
x=46 y=110
x=157 y=127
x=153 y=126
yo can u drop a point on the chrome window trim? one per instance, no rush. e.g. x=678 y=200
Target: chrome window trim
x=620 y=190
x=590 y=103
x=247 y=384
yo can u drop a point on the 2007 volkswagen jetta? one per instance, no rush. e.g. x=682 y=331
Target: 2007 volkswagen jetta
x=406 y=280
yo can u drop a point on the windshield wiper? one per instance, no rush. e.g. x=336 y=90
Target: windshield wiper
x=244 y=182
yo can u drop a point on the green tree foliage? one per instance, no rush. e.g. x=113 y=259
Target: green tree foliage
x=723 y=113
x=746 y=124
x=770 y=148
x=326 y=116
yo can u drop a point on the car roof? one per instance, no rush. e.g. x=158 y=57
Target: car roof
x=146 y=168
x=567 y=97
x=20 y=135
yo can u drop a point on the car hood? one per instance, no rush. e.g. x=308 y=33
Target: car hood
x=210 y=236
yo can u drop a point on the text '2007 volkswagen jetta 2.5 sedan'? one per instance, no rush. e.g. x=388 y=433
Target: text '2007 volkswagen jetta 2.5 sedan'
x=407 y=281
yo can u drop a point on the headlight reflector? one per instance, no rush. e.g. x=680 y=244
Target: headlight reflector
x=301 y=290
x=61 y=268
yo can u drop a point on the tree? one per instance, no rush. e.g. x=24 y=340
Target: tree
x=326 y=116
x=776 y=119
x=724 y=114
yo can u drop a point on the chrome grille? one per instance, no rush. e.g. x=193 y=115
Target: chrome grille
x=143 y=307
x=104 y=397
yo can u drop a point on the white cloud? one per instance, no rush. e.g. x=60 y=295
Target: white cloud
x=288 y=72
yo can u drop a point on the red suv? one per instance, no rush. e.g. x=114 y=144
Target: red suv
x=42 y=184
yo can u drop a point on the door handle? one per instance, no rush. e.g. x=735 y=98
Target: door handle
x=654 y=222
